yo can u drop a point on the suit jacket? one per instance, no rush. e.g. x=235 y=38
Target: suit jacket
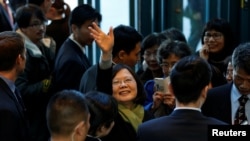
x=13 y=124
x=124 y=131
x=180 y=125
x=218 y=103
x=5 y=24
x=71 y=63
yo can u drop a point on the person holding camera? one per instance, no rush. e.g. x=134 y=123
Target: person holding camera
x=168 y=54
x=190 y=80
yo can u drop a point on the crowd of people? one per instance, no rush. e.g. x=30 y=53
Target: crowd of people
x=49 y=90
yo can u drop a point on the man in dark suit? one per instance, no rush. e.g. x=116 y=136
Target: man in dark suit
x=13 y=124
x=71 y=60
x=222 y=102
x=190 y=79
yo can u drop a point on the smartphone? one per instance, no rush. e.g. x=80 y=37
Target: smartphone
x=161 y=84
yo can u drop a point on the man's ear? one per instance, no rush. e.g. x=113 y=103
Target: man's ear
x=121 y=54
x=170 y=88
x=204 y=91
x=20 y=58
x=73 y=28
x=79 y=129
x=103 y=130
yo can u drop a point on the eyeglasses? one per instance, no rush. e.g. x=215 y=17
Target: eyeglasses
x=126 y=81
x=149 y=54
x=38 y=25
x=167 y=65
x=216 y=36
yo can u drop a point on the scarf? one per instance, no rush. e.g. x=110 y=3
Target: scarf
x=133 y=116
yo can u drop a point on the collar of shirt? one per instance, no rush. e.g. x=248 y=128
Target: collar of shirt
x=94 y=137
x=71 y=37
x=235 y=95
x=188 y=108
x=10 y=83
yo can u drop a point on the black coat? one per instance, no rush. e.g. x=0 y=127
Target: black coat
x=123 y=131
x=70 y=65
x=5 y=24
x=13 y=122
x=218 y=103
x=180 y=125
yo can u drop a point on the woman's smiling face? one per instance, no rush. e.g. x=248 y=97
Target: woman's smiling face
x=124 y=87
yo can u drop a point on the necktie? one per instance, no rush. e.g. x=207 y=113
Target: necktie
x=8 y=11
x=240 y=116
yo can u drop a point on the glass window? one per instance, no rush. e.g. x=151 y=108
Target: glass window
x=114 y=12
x=71 y=3
x=193 y=22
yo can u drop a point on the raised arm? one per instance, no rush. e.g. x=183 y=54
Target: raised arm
x=104 y=41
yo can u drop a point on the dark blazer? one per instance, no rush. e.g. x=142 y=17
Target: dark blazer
x=123 y=131
x=218 y=103
x=13 y=124
x=71 y=63
x=180 y=125
x=5 y=24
